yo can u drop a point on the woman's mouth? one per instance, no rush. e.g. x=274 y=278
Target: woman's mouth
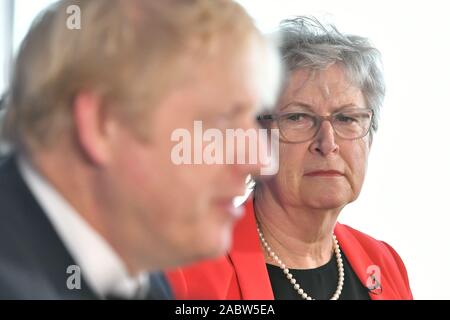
x=324 y=173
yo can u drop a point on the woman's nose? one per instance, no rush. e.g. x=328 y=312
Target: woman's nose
x=325 y=140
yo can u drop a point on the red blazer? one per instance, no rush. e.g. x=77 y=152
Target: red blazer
x=242 y=274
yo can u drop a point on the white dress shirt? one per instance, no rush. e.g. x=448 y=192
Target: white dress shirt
x=100 y=265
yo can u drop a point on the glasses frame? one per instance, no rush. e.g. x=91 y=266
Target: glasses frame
x=320 y=119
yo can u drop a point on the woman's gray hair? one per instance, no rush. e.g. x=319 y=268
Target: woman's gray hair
x=307 y=43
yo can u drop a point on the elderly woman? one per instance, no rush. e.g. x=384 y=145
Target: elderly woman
x=289 y=244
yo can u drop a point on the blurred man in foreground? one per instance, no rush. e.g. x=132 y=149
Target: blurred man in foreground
x=92 y=204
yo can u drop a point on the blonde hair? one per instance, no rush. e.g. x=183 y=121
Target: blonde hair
x=127 y=50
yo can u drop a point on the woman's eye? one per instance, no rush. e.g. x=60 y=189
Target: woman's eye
x=346 y=119
x=297 y=117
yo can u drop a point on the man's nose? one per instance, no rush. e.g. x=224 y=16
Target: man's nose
x=258 y=151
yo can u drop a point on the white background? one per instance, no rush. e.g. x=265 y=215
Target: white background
x=406 y=194
x=5 y=41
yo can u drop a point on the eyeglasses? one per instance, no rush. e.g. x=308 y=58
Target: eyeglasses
x=301 y=126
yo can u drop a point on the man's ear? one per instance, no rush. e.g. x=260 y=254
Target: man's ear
x=92 y=127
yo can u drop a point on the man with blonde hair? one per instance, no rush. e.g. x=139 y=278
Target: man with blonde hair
x=91 y=203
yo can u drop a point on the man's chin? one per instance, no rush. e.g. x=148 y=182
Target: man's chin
x=217 y=247
x=214 y=244
x=228 y=212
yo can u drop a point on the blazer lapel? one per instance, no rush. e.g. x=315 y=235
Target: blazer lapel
x=364 y=266
x=248 y=259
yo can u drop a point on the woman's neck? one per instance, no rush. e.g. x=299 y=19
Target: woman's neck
x=301 y=237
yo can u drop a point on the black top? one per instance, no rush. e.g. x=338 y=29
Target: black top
x=319 y=283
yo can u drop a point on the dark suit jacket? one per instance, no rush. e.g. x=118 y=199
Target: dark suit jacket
x=33 y=260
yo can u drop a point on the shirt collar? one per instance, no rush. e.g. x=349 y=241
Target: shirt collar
x=100 y=265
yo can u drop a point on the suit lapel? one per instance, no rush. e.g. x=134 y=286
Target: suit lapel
x=39 y=251
x=159 y=288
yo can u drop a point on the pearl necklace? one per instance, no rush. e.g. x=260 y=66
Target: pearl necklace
x=293 y=281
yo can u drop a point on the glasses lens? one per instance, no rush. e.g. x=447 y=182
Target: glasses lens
x=352 y=124
x=297 y=126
